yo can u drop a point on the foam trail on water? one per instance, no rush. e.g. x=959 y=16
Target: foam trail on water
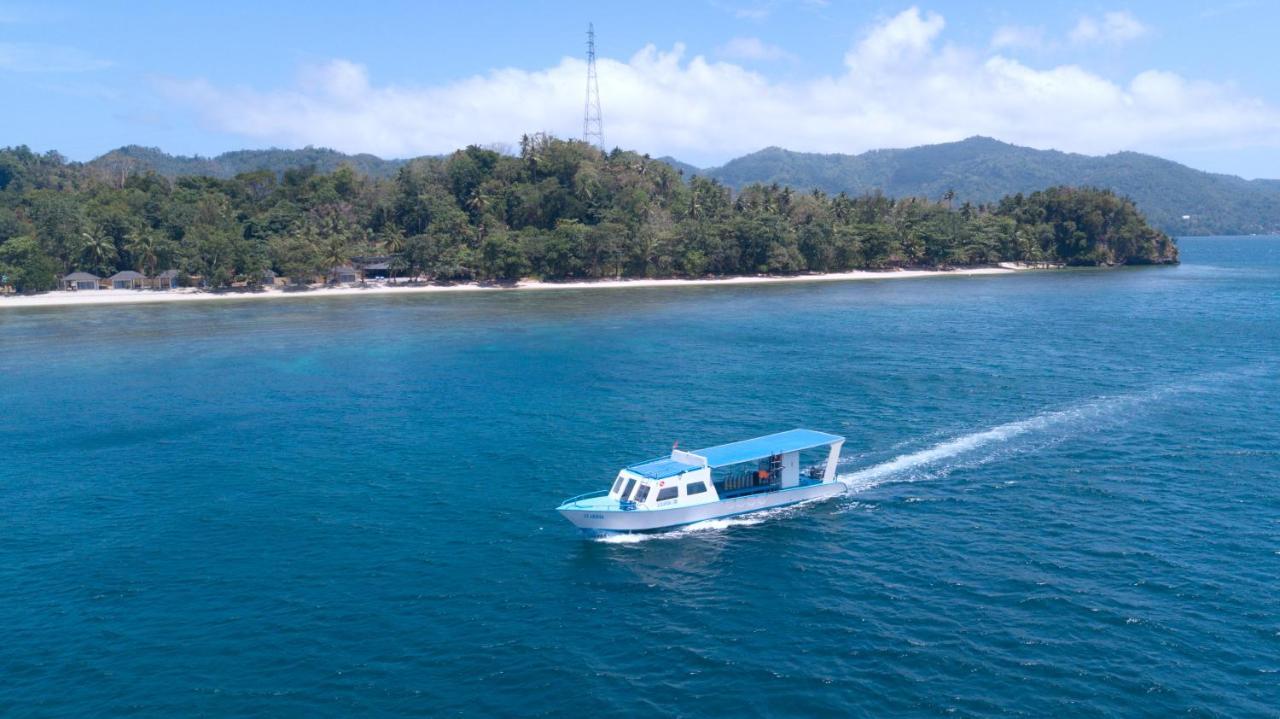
x=1074 y=416
x=1080 y=417
x=1062 y=423
x=869 y=477
x=902 y=464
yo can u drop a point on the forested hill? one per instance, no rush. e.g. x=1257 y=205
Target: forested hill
x=137 y=159
x=557 y=210
x=977 y=170
x=980 y=170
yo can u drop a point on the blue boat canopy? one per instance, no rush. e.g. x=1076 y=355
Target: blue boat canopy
x=747 y=450
x=662 y=468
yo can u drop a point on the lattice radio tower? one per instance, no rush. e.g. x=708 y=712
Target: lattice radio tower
x=592 y=122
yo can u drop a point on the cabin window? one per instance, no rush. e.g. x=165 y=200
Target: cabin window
x=668 y=493
x=627 y=492
x=618 y=484
x=642 y=494
x=695 y=488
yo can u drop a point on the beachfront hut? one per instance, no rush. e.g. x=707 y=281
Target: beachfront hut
x=127 y=280
x=374 y=267
x=80 y=281
x=268 y=278
x=344 y=274
x=167 y=280
x=378 y=270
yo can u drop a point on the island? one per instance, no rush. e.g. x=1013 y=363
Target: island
x=552 y=211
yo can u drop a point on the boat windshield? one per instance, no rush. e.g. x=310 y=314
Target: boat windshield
x=631 y=483
x=642 y=494
x=617 y=484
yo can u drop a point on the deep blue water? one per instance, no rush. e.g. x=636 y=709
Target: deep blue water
x=1065 y=501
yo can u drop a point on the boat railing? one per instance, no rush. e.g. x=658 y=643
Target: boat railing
x=588 y=495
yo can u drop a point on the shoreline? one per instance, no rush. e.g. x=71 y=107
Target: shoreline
x=83 y=298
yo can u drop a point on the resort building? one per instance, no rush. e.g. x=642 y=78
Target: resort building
x=377 y=270
x=127 y=280
x=376 y=267
x=80 y=281
x=344 y=274
x=166 y=280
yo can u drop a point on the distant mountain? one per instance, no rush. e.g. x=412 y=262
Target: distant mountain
x=981 y=169
x=978 y=169
x=134 y=158
x=684 y=167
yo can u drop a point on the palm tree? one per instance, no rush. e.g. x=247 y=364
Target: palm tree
x=335 y=253
x=97 y=250
x=397 y=265
x=478 y=202
x=695 y=204
x=145 y=248
x=393 y=241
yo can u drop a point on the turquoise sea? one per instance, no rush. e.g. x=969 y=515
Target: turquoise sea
x=1064 y=501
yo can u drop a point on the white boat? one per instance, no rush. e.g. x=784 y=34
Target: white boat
x=712 y=483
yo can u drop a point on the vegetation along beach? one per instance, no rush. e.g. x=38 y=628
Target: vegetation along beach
x=559 y=210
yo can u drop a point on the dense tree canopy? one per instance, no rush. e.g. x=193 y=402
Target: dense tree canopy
x=556 y=210
x=1173 y=197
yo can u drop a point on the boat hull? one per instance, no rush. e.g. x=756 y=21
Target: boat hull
x=650 y=520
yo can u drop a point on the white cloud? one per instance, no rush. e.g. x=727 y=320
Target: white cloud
x=39 y=57
x=901 y=85
x=1018 y=36
x=902 y=38
x=753 y=48
x=1114 y=28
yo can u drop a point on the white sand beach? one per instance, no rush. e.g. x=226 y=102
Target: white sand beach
x=117 y=297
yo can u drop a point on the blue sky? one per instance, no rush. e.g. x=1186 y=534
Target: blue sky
x=701 y=80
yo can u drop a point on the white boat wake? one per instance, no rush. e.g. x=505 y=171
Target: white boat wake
x=935 y=461
x=1051 y=427
x=931 y=462
x=1055 y=426
x=906 y=466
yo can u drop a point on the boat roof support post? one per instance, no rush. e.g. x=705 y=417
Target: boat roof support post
x=833 y=458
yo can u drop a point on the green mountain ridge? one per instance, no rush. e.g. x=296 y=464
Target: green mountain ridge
x=137 y=159
x=978 y=170
x=982 y=170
